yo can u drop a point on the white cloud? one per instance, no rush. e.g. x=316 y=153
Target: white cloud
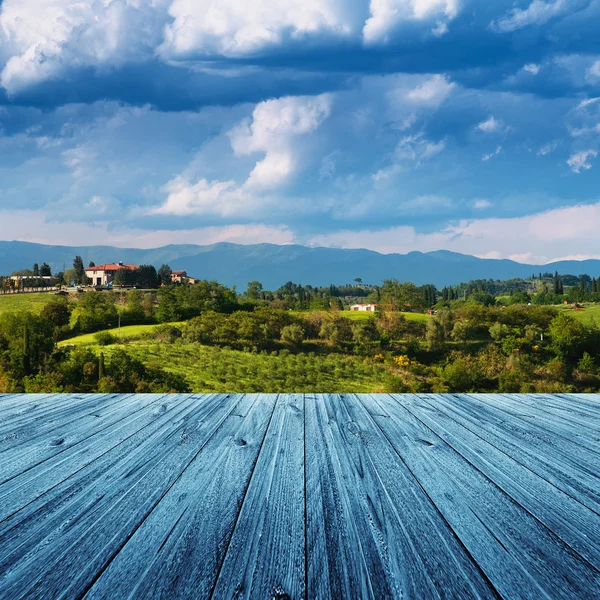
x=548 y=148
x=410 y=152
x=275 y=122
x=273 y=129
x=386 y=15
x=532 y=68
x=482 y=204
x=234 y=28
x=580 y=160
x=491 y=125
x=223 y=198
x=537 y=238
x=43 y=38
x=39 y=227
x=487 y=157
x=537 y=13
x=432 y=92
x=594 y=71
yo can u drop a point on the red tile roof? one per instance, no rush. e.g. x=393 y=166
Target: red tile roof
x=112 y=267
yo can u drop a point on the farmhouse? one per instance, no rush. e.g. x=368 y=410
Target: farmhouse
x=181 y=276
x=178 y=276
x=364 y=307
x=105 y=274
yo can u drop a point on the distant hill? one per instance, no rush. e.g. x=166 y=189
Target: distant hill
x=272 y=265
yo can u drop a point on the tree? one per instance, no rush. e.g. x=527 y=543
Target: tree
x=434 y=335
x=45 y=270
x=92 y=264
x=96 y=310
x=358 y=281
x=165 y=275
x=255 y=289
x=568 y=336
x=80 y=276
x=292 y=334
x=36 y=270
x=146 y=277
x=125 y=277
x=57 y=311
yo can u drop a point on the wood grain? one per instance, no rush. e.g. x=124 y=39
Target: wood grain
x=300 y=496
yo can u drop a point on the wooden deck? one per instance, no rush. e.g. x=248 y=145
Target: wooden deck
x=293 y=496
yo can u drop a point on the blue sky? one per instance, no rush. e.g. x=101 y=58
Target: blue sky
x=394 y=125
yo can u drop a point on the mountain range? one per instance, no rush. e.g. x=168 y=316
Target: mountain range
x=273 y=265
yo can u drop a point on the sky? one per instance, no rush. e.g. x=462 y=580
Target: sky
x=394 y=125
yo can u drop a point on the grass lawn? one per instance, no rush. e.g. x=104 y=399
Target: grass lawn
x=33 y=302
x=128 y=333
x=590 y=312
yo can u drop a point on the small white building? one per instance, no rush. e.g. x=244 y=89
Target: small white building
x=364 y=307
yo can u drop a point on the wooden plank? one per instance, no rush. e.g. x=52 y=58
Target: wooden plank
x=371 y=529
x=520 y=556
x=100 y=511
x=48 y=442
x=42 y=421
x=573 y=522
x=536 y=449
x=582 y=431
x=178 y=550
x=28 y=415
x=266 y=554
x=38 y=480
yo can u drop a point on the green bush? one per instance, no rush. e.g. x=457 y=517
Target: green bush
x=105 y=338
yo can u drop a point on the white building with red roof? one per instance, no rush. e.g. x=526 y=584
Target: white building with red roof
x=105 y=274
x=364 y=307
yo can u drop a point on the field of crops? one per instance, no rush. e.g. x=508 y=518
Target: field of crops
x=209 y=368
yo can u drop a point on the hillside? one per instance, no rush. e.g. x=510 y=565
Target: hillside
x=273 y=265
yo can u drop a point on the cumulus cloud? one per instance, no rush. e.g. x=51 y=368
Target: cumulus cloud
x=222 y=198
x=273 y=129
x=230 y=28
x=581 y=160
x=44 y=38
x=386 y=15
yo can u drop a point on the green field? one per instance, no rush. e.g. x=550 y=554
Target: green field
x=128 y=333
x=31 y=302
x=209 y=368
x=356 y=315
x=589 y=314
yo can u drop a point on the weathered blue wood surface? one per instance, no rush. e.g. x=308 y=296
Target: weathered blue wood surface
x=300 y=496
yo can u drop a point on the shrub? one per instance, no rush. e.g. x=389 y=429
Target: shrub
x=105 y=338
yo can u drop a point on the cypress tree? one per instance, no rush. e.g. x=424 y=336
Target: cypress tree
x=26 y=349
